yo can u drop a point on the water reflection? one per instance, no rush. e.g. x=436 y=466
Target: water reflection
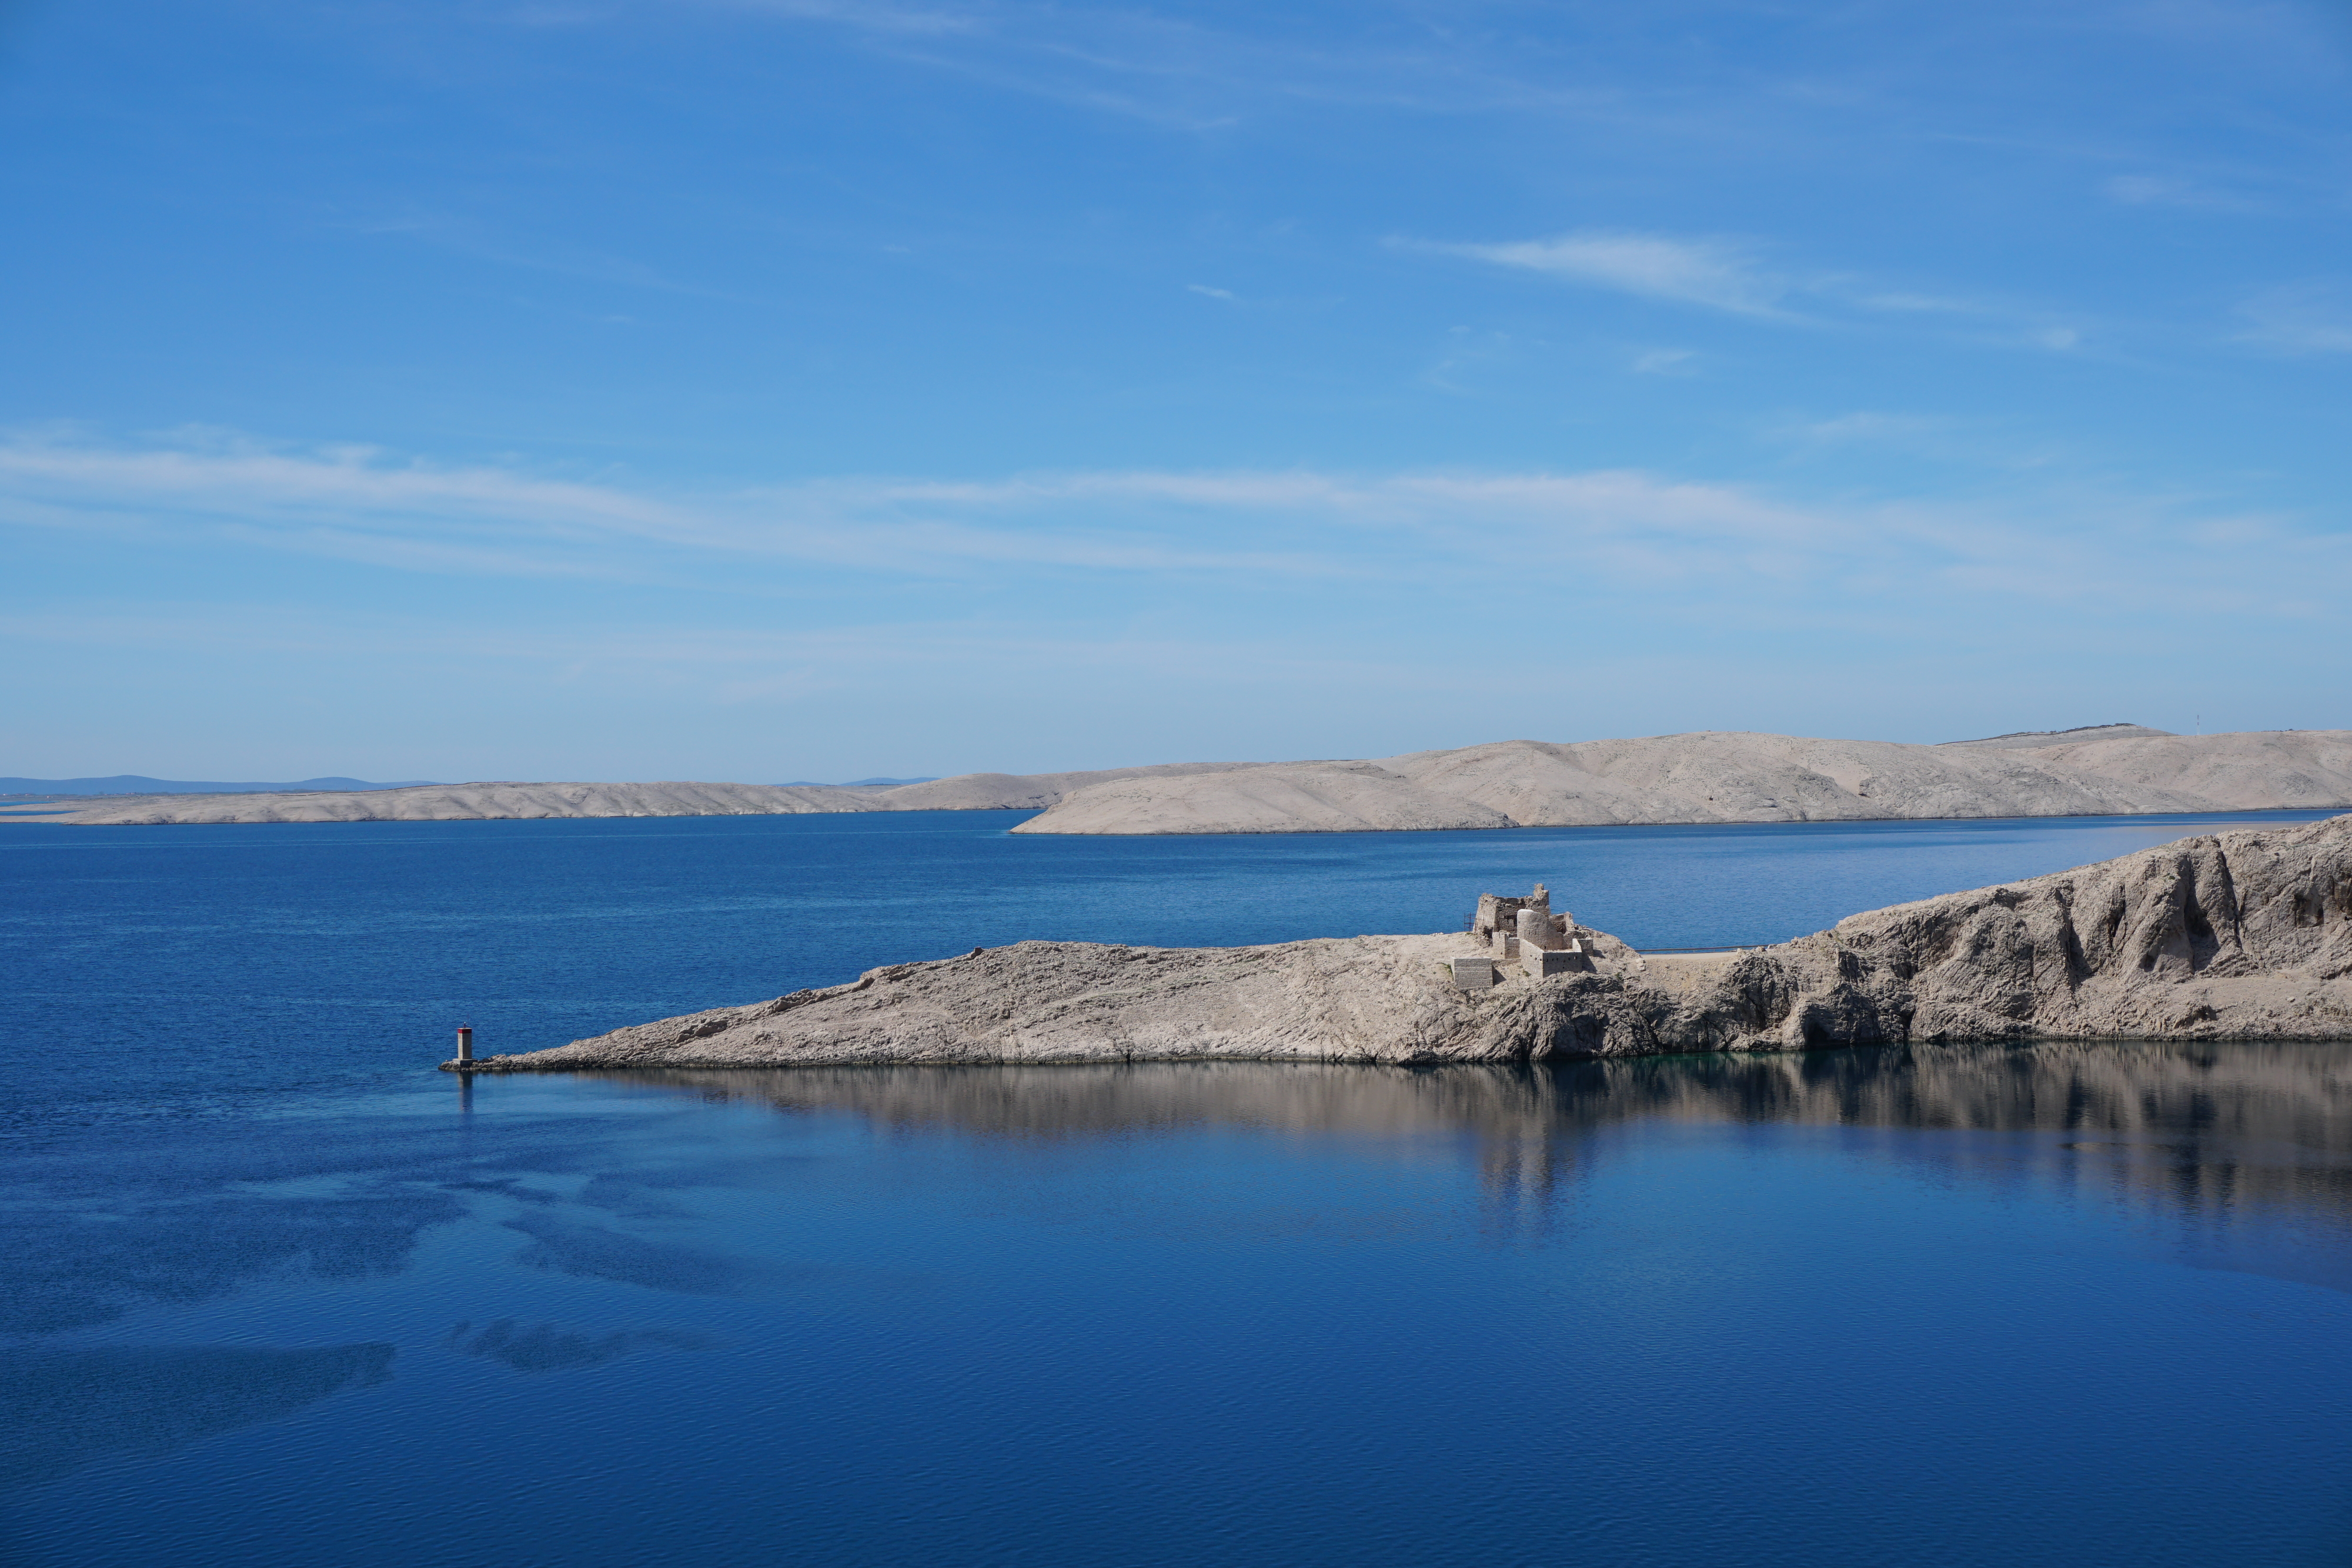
x=2209 y=1128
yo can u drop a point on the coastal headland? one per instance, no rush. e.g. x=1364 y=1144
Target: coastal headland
x=1708 y=776
x=2244 y=934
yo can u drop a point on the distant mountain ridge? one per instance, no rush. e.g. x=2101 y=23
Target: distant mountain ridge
x=1709 y=776
x=138 y=784
x=2028 y=739
x=513 y=800
x=1717 y=776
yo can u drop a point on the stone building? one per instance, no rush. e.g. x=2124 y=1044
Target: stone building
x=1522 y=932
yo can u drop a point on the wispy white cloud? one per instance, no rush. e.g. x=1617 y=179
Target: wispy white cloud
x=2308 y=319
x=1718 y=274
x=860 y=15
x=1726 y=275
x=1647 y=533
x=1976 y=446
x=1916 y=304
x=1186 y=72
x=1869 y=426
x=358 y=504
x=483 y=240
x=1990 y=322
x=1212 y=293
x=724 y=664
x=2170 y=191
x=363 y=504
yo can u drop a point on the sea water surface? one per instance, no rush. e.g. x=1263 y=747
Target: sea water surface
x=276 y=1293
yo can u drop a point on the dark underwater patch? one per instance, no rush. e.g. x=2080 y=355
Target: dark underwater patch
x=63 y=1409
x=548 y=1347
x=597 y=1253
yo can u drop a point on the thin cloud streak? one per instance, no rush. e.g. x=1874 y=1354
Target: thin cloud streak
x=727 y=663
x=1724 y=275
x=1184 y=74
x=2311 y=320
x=1713 y=273
x=350 y=501
x=1642 y=531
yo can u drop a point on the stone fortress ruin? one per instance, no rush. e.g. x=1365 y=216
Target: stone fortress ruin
x=1523 y=932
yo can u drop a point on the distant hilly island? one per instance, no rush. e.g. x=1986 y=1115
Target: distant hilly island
x=1712 y=776
x=138 y=784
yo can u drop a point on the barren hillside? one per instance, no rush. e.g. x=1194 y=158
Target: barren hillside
x=1722 y=776
x=1710 y=777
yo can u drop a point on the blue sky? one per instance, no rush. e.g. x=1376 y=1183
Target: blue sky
x=790 y=389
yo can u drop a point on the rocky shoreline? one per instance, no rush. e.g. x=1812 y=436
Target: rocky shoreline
x=2244 y=936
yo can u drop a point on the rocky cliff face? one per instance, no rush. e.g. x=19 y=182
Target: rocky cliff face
x=2232 y=935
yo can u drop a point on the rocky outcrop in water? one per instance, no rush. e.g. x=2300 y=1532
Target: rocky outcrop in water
x=2230 y=936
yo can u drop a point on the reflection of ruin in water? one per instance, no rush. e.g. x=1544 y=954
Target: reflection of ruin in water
x=1526 y=1179
x=2212 y=1130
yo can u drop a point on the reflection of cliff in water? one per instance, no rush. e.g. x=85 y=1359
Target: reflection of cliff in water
x=2208 y=1126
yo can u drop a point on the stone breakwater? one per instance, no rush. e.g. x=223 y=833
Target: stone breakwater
x=2241 y=935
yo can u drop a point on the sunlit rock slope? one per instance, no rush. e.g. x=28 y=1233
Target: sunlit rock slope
x=1717 y=776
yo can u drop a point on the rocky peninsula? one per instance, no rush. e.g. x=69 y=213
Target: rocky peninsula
x=2244 y=934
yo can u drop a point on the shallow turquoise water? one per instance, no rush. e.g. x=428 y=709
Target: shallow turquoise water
x=277 y=1293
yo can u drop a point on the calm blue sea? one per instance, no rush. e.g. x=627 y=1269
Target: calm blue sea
x=275 y=1293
